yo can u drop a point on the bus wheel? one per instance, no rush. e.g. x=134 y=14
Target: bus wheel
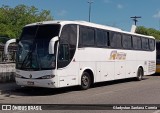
x=85 y=81
x=139 y=74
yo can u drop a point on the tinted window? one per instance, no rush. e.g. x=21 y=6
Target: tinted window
x=127 y=42
x=115 y=40
x=137 y=44
x=86 y=36
x=69 y=35
x=145 y=45
x=67 y=47
x=33 y=47
x=63 y=54
x=151 y=44
x=101 y=38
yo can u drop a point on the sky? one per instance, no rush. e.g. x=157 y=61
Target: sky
x=114 y=13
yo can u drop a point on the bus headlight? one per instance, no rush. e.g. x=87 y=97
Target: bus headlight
x=18 y=76
x=47 y=77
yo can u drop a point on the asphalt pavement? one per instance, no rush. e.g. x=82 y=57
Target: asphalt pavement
x=120 y=92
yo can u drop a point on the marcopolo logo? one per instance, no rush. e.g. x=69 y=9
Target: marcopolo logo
x=30 y=76
x=6 y=107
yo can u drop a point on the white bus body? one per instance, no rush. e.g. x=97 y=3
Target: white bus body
x=81 y=55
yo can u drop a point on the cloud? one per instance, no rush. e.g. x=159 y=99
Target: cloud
x=157 y=15
x=120 y=6
x=107 y=1
x=62 y=13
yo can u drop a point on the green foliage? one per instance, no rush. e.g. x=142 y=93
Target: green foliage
x=12 y=20
x=148 y=31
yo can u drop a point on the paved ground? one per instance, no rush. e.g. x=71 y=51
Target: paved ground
x=117 y=92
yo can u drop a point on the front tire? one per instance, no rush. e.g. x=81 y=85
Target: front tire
x=139 y=74
x=85 y=81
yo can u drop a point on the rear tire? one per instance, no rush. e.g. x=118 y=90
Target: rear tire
x=85 y=81
x=139 y=74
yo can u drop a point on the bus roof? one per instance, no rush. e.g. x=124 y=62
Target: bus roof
x=89 y=24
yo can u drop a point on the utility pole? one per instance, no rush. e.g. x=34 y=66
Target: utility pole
x=135 y=19
x=90 y=3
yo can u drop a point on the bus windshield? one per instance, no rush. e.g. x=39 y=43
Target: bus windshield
x=32 y=53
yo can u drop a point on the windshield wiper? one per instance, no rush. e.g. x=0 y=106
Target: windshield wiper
x=29 y=57
x=25 y=59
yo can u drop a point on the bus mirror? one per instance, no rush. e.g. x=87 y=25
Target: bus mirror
x=7 y=45
x=52 y=44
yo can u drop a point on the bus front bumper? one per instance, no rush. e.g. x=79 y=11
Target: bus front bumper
x=47 y=83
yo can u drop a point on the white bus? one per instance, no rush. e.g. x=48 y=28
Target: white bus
x=57 y=54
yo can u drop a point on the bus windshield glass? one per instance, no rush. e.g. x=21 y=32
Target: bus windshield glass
x=33 y=52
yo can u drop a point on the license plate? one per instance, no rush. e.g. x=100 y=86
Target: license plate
x=30 y=83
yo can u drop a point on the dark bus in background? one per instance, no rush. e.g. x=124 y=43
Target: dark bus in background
x=158 y=56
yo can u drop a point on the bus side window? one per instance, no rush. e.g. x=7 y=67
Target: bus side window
x=116 y=40
x=86 y=37
x=67 y=45
x=127 y=42
x=151 y=44
x=137 y=43
x=145 y=44
x=101 y=38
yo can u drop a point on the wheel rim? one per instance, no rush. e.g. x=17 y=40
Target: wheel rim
x=85 y=80
x=140 y=74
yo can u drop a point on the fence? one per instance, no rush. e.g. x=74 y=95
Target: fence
x=7 y=66
x=7 y=72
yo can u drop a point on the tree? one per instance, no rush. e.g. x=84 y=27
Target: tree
x=12 y=20
x=148 y=31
